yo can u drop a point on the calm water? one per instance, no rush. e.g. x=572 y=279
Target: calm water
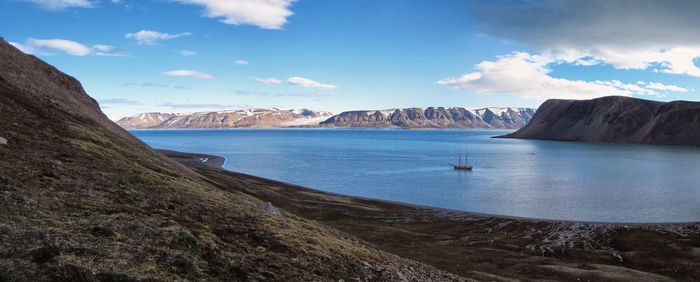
x=528 y=178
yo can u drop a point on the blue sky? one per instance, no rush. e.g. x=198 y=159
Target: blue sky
x=198 y=55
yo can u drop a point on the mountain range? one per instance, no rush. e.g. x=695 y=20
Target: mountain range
x=615 y=119
x=243 y=118
x=432 y=117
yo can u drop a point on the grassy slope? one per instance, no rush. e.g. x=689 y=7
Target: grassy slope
x=81 y=199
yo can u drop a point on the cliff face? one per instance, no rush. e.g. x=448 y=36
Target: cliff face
x=81 y=199
x=244 y=118
x=434 y=117
x=615 y=119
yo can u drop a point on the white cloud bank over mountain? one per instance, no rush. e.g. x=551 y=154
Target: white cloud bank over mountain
x=626 y=34
x=528 y=76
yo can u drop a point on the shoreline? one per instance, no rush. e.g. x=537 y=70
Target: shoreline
x=479 y=246
x=217 y=162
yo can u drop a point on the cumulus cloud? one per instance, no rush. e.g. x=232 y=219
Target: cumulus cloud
x=267 y=14
x=241 y=62
x=191 y=73
x=150 y=37
x=51 y=46
x=103 y=48
x=67 y=46
x=270 y=80
x=659 y=86
x=57 y=5
x=627 y=34
x=305 y=82
x=529 y=76
x=187 y=53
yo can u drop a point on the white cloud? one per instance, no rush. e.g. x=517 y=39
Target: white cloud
x=191 y=73
x=67 y=46
x=678 y=60
x=528 y=76
x=305 y=82
x=150 y=37
x=21 y=47
x=241 y=62
x=271 y=80
x=268 y=14
x=62 y=4
x=187 y=53
x=46 y=47
x=103 y=48
x=659 y=86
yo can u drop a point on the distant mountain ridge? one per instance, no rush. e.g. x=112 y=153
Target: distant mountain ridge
x=243 y=118
x=615 y=119
x=434 y=117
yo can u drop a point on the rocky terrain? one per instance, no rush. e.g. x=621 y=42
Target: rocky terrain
x=243 y=118
x=434 y=117
x=615 y=119
x=81 y=199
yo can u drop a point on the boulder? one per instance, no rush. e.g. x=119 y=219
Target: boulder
x=270 y=209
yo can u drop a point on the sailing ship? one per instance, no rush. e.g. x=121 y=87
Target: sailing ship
x=461 y=165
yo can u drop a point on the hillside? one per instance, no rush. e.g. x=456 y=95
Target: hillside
x=615 y=119
x=433 y=117
x=83 y=200
x=243 y=118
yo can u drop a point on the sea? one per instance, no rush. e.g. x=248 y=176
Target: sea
x=512 y=177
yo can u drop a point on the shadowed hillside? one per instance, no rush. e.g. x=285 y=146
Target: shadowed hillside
x=615 y=119
x=83 y=200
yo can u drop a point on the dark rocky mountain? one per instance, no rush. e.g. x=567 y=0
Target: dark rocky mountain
x=81 y=199
x=615 y=119
x=242 y=118
x=433 y=117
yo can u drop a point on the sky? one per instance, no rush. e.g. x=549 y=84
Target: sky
x=203 y=55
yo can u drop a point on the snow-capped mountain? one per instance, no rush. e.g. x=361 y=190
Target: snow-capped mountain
x=242 y=118
x=434 y=117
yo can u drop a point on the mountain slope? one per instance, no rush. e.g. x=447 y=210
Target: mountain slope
x=244 y=118
x=434 y=117
x=83 y=200
x=615 y=119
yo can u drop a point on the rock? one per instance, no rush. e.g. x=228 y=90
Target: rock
x=270 y=209
x=615 y=119
x=433 y=117
x=3 y=141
